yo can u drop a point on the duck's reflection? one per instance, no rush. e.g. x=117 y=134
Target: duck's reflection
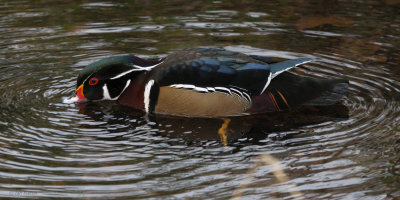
x=225 y=130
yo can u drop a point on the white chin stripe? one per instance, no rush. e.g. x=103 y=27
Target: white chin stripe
x=106 y=93
x=146 y=95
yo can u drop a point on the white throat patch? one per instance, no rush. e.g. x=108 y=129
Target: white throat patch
x=106 y=93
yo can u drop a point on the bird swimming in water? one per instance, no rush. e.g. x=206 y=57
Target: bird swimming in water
x=204 y=82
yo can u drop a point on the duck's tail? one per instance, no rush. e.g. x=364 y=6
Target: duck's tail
x=337 y=90
x=301 y=90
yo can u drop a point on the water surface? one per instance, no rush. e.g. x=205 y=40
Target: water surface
x=55 y=150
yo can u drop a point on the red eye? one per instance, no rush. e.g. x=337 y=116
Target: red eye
x=93 y=81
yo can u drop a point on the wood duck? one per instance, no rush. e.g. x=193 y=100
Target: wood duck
x=204 y=82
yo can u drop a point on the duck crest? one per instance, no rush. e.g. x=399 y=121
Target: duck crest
x=113 y=65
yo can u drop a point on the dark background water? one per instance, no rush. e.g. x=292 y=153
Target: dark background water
x=55 y=150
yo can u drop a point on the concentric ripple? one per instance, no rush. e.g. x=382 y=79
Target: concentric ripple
x=53 y=150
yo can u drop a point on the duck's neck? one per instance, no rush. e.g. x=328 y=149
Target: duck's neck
x=133 y=96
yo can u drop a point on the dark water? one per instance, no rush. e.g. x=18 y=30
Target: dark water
x=55 y=150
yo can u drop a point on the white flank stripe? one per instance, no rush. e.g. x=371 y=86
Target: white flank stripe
x=247 y=97
x=186 y=86
x=224 y=88
x=200 y=89
x=215 y=89
x=266 y=85
x=211 y=89
x=237 y=92
x=193 y=87
x=147 y=90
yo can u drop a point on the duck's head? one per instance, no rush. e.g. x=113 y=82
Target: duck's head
x=105 y=79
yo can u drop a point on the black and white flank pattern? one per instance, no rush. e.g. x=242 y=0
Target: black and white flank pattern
x=227 y=90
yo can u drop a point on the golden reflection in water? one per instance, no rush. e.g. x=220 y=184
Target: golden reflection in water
x=279 y=174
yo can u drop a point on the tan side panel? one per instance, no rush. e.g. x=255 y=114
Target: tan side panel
x=186 y=102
